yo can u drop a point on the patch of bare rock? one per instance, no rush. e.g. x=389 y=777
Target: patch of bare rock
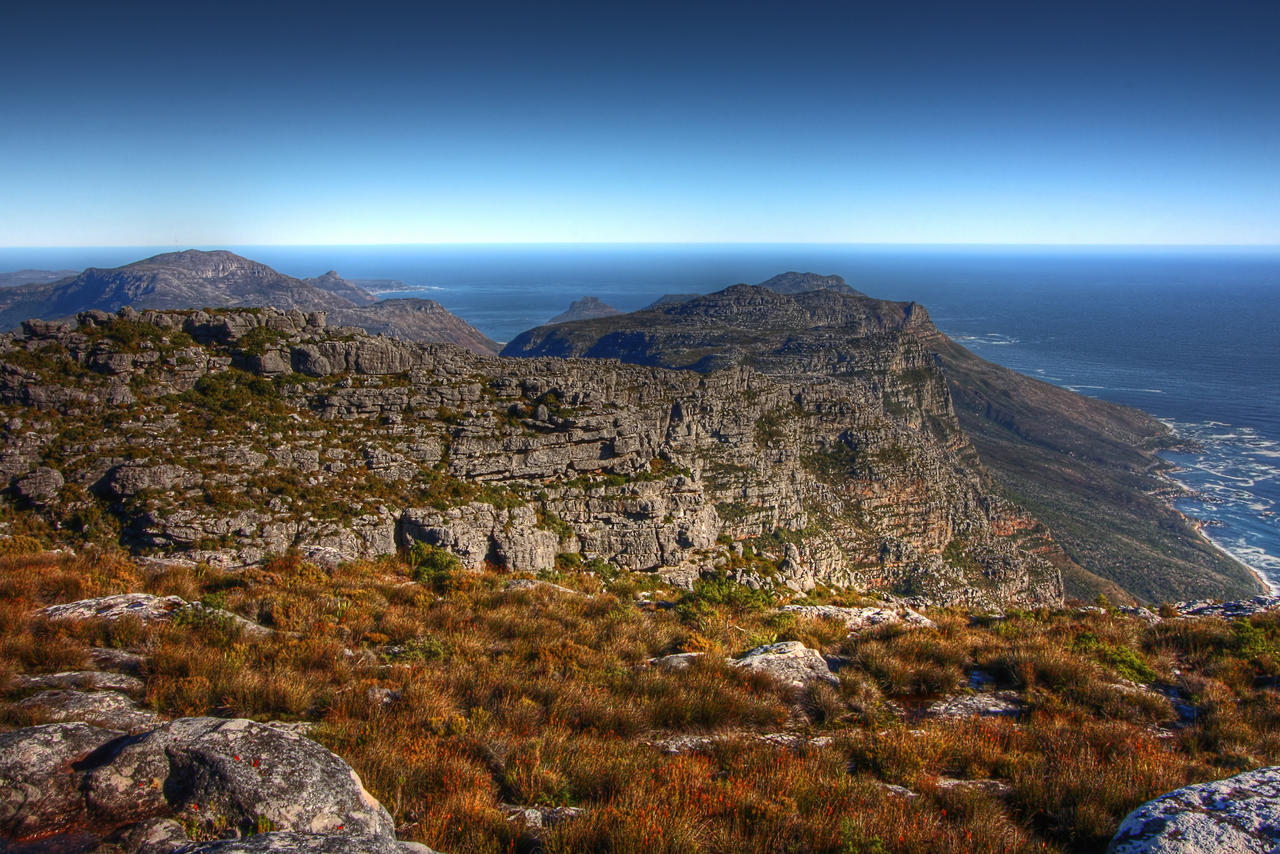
x=72 y=787
x=999 y=704
x=1238 y=814
x=790 y=663
x=862 y=618
x=146 y=608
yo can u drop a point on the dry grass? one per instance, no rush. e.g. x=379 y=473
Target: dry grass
x=452 y=699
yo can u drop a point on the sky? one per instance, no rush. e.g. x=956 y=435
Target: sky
x=140 y=124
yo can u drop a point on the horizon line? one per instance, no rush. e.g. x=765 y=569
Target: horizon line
x=551 y=243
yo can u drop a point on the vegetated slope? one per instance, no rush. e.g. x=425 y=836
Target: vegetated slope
x=1087 y=468
x=196 y=279
x=235 y=434
x=1081 y=465
x=610 y=712
x=33 y=277
x=586 y=308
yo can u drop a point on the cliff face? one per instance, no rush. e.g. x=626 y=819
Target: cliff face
x=229 y=435
x=1083 y=466
x=196 y=279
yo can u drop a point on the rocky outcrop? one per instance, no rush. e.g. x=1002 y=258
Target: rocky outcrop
x=1241 y=813
x=587 y=308
x=74 y=785
x=254 y=433
x=861 y=618
x=790 y=663
x=1083 y=466
x=146 y=608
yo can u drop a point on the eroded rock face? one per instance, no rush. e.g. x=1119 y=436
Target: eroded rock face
x=233 y=775
x=1238 y=814
x=791 y=663
x=267 y=431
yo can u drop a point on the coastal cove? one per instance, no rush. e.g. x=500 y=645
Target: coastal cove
x=1185 y=334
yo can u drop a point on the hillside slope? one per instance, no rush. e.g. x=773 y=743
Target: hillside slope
x=1085 y=467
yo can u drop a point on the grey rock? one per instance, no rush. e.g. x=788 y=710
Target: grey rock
x=676 y=661
x=861 y=618
x=987 y=786
x=80 y=680
x=538 y=584
x=999 y=704
x=240 y=771
x=146 y=608
x=110 y=709
x=300 y=843
x=790 y=663
x=140 y=606
x=41 y=486
x=1238 y=814
x=39 y=787
x=1228 y=610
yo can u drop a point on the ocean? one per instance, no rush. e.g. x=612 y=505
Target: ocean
x=1191 y=335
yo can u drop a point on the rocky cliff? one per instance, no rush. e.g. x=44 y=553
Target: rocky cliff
x=587 y=308
x=196 y=279
x=1084 y=466
x=230 y=435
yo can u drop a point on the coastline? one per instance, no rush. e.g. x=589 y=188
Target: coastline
x=1164 y=470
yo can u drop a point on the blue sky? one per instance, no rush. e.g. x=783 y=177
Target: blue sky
x=238 y=124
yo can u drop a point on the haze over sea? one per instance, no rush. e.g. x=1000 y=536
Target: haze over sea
x=1191 y=335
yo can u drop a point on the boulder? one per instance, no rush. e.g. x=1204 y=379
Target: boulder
x=676 y=661
x=80 y=680
x=222 y=776
x=147 y=608
x=1238 y=814
x=41 y=486
x=303 y=843
x=101 y=708
x=791 y=663
x=39 y=786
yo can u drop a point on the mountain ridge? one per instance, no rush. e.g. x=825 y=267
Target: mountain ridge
x=1083 y=465
x=193 y=279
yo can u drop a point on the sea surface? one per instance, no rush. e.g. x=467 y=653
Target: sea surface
x=1191 y=335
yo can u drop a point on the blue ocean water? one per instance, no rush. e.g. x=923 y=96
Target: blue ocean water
x=1190 y=335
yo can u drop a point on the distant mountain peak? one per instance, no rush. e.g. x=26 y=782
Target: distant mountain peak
x=587 y=308
x=799 y=283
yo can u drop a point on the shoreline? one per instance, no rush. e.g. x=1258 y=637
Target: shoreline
x=1164 y=471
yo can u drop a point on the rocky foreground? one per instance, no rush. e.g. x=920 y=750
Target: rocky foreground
x=386 y=707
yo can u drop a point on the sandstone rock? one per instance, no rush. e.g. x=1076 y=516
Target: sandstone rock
x=999 y=704
x=141 y=606
x=676 y=661
x=41 y=486
x=537 y=584
x=236 y=772
x=101 y=708
x=994 y=788
x=861 y=618
x=539 y=817
x=146 y=608
x=81 y=680
x=39 y=787
x=791 y=663
x=1228 y=610
x=302 y=843
x=1238 y=814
